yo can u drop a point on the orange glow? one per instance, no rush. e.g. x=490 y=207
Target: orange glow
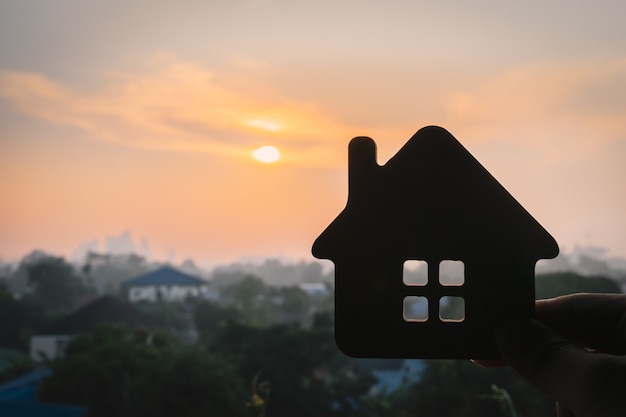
x=164 y=149
x=267 y=125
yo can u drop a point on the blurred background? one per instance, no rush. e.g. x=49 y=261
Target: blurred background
x=166 y=166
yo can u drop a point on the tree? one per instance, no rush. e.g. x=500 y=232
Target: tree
x=460 y=388
x=250 y=297
x=294 y=305
x=192 y=383
x=19 y=318
x=118 y=372
x=562 y=283
x=209 y=316
x=304 y=368
x=57 y=287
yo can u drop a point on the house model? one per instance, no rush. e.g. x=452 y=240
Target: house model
x=433 y=210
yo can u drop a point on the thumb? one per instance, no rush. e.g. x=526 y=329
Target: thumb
x=554 y=365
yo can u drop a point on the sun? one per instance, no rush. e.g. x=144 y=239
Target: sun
x=266 y=154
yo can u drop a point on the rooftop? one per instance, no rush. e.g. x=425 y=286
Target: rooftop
x=165 y=276
x=105 y=309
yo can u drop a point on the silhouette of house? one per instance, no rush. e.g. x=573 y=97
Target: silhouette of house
x=432 y=203
x=51 y=340
x=166 y=284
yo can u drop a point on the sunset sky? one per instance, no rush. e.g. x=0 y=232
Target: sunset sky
x=143 y=115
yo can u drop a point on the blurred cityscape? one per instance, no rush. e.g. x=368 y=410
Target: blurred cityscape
x=114 y=333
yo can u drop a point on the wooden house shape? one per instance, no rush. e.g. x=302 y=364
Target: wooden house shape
x=432 y=203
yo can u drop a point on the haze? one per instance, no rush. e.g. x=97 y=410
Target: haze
x=143 y=115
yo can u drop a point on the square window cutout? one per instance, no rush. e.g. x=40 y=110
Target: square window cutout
x=415 y=308
x=452 y=309
x=451 y=273
x=415 y=272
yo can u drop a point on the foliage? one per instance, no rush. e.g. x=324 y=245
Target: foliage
x=273 y=272
x=460 y=388
x=294 y=302
x=245 y=358
x=117 y=372
x=389 y=403
x=562 y=283
x=57 y=286
x=13 y=364
x=209 y=316
x=193 y=383
x=174 y=316
x=250 y=297
x=108 y=271
x=250 y=301
x=24 y=317
x=306 y=371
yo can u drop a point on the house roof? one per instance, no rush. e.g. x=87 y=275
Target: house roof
x=105 y=309
x=18 y=398
x=165 y=276
x=15 y=409
x=432 y=199
x=29 y=379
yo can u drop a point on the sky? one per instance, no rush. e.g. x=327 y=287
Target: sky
x=142 y=115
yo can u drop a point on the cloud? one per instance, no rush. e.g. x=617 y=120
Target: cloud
x=548 y=104
x=173 y=106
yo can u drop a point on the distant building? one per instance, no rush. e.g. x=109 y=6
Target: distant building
x=167 y=284
x=122 y=244
x=51 y=340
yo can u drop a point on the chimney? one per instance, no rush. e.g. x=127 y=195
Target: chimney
x=362 y=165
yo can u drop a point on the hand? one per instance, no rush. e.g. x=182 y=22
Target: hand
x=573 y=352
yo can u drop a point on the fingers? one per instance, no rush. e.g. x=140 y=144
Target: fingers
x=549 y=352
x=588 y=384
x=540 y=356
x=595 y=321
